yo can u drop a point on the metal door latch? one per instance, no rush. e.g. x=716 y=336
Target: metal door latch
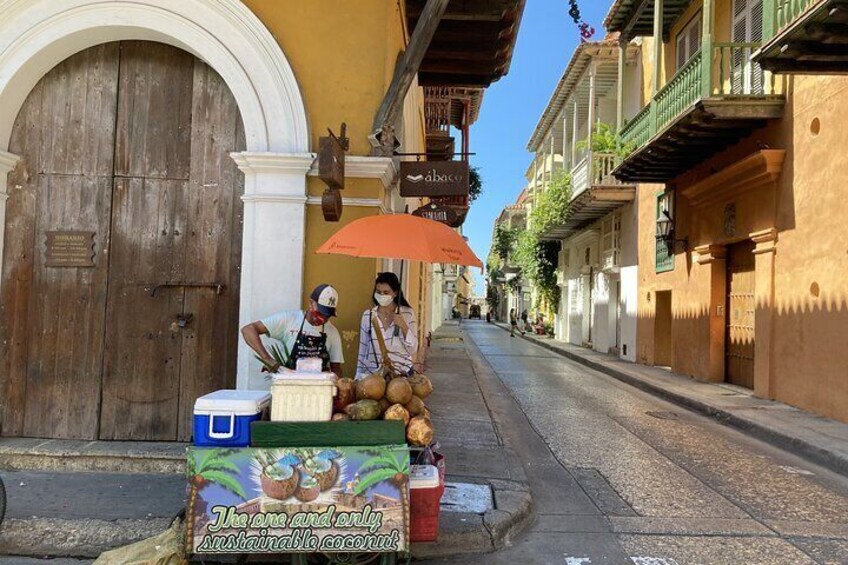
x=184 y=319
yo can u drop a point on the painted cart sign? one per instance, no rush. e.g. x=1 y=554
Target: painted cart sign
x=346 y=499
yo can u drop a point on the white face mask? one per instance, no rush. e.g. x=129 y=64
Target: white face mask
x=383 y=299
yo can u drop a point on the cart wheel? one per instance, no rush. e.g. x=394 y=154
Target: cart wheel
x=347 y=559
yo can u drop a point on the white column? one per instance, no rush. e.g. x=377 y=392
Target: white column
x=592 y=103
x=551 y=166
x=574 y=136
x=619 y=103
x=7 y=163
x=564 y=139
x=273 y=243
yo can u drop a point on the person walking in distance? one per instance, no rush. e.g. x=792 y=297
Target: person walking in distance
x=513 y=322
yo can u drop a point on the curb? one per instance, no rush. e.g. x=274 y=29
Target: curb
x=797 y=446
x=85 y=537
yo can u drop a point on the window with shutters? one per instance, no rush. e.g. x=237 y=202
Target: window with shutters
x=747 y=33
x=664 y=252
x=611 y=240
x=688 y=41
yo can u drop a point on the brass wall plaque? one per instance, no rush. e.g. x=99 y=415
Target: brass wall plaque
x=70 y=249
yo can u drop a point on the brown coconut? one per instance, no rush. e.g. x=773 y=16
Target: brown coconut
x=420 y=431
x=397 y=412
x=415 y=406
x=399 y=391
x=346 y=394
x=372 y=387
x=384 y=405
x=421 y=386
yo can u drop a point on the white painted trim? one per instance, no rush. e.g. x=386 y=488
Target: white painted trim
x=383 y=168
x=360 y=202
x=274 y=198
x=36 y=35
x=257 y=163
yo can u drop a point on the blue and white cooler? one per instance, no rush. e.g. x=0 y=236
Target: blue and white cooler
x=222 y=418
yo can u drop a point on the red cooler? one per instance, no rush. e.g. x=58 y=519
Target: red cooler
x=425 y=493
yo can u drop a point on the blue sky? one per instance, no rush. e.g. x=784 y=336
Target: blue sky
x=512 y=106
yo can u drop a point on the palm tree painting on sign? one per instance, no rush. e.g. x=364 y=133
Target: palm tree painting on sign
x=205 y=468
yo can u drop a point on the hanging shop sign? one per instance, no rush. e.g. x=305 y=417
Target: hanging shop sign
x=298 y=500
x=70 y=249
x=434 y=178
x=436 y=212
x=331 y=170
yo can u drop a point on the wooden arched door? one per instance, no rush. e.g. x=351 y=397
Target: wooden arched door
x=125 y=147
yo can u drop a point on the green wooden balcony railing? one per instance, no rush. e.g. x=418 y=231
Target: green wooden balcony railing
x=718 y=70
x=778 y=14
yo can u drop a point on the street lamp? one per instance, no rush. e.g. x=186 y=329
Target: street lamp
x=665 y=232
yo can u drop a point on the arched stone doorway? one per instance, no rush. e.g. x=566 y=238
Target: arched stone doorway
x=37 y=35
x=125 y=145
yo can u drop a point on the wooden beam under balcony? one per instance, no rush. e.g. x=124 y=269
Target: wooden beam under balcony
x=814 y=42
x=700 y=132
x=590 y=206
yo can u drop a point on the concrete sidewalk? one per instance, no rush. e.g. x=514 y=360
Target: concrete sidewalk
x=821 y=440
x=80 y=498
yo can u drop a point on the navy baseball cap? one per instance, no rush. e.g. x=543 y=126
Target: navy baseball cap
x=326 y=298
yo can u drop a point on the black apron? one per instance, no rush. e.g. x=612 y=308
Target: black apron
x=309 y=346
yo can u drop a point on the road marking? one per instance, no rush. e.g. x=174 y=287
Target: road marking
x=795 y=470
x=636 y=559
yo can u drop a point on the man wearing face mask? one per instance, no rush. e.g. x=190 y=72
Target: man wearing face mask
x=396 y=320
x=305 y=334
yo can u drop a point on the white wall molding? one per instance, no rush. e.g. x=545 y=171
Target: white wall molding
x=36 y=35
x=7 y=163
x=383 y=168
x=358 y=202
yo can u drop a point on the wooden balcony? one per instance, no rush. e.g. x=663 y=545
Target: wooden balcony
x=595 y=192
x=714 y=100
x=805 y=36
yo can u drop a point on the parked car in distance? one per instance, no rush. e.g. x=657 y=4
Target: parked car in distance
x=474 y=312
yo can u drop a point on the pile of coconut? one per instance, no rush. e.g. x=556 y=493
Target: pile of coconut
x=388 y=396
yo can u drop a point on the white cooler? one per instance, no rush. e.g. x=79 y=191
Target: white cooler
x=303 y=397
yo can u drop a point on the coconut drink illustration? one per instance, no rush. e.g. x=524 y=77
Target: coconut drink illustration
x=323 y=466
x=278 y=478
x=308 y=489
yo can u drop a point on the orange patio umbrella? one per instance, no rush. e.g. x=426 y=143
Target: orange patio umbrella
x=401 y=236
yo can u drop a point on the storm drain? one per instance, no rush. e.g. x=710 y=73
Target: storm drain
x=467 y=497
x=663 y=415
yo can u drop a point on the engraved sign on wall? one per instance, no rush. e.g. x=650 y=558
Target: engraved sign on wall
x=70 y=249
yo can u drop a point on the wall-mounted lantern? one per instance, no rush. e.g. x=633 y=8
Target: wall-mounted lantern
x=665 y=231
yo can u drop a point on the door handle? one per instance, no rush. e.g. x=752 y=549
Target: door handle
x=218 y=286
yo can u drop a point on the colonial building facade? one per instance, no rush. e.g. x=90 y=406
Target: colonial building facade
x=741 y=235
x=159 y=187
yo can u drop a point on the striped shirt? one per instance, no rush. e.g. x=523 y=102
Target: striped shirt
x=401 y=349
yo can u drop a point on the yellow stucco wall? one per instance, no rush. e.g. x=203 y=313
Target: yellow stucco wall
x=343 y=55
x=810 y=313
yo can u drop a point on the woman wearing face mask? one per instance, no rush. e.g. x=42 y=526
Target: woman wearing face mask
x=396 y=320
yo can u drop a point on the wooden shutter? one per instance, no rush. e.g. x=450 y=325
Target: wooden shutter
x=739 y=35
x=756 y=36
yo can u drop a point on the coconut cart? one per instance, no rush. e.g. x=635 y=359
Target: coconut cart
x=329 y=491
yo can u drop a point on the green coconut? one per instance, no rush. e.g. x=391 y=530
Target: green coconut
x=365 y=410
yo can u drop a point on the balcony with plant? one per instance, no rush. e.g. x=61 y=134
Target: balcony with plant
x=717 y=96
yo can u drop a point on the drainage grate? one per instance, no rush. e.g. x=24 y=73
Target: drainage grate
x=663 y=415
